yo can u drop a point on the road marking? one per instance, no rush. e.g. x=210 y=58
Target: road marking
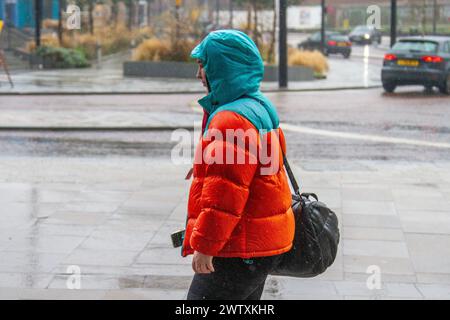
x=366 y=137
x=349 y=135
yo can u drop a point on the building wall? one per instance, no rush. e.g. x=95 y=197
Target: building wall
x=2 y=10
x=23 y=12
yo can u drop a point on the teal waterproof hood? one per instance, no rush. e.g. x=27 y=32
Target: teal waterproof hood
x=234 y=69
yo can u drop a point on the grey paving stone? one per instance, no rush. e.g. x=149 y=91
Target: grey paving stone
x=366 y=193
x=134 y=270
x=76 y=218
x=362 y=233
x=100 y=196
x=171 y=282
x=101 y=257
x=375 y=248
x=56 y=196
x=100 y=282
x=433 y=278
x=162 y=236
x=25 y=280
x=379 y=298
x=410 y=191
x=145 y=294
x=435 y=291
x=45 y=244
x=387 y=265
x=29 y=261
x=385 y=277
x=429 y=253
x=180 y=212
x=161 y=208
x=106 y=238
x=398 y=290
x=281 y=286
x=91 y=207
x=383 y=208
x=16 y=192
x=51 y=294
x=162 y=255
x=353 y=288
x=371 y=221
x=425 y=221
x=388 y=290
x=421 y=205
x=138 y=223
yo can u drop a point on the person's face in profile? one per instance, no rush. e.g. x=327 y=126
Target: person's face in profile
x=201 y=75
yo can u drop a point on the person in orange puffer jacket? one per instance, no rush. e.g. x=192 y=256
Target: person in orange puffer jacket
x=240 y=220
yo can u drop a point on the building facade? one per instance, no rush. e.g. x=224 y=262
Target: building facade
x=21 y=14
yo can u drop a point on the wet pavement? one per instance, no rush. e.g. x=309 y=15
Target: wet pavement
x=105 y=201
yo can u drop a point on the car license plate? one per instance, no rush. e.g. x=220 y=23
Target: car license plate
x=408 y=63
x=342 y=44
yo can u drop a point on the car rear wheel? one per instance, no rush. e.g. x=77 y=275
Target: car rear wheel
x=445 y=86
x=346 y=55
x=389 y=86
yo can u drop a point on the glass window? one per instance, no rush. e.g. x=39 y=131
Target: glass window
x=422 y=46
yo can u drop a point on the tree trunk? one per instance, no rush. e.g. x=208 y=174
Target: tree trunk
x=255 y=21
x=231 y=13
x=91 y=16
x=249 y=18
x=270 y=55
x=130 y=9
x=114 y=13
x=60 y=26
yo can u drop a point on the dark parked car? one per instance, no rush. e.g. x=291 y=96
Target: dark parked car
x=365 y=35
x=420 y=61
x=334 y=43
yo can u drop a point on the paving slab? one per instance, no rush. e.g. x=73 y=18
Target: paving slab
x=120 y=237
x=430 y=253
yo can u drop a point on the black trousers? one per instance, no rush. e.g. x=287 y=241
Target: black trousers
x=233 y=279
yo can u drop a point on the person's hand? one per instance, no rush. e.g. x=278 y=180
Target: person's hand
x=201 y=263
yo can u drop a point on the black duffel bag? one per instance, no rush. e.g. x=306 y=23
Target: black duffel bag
x=316 y=237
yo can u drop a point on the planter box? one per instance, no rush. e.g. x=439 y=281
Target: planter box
x=186 y=70
x=298 y=73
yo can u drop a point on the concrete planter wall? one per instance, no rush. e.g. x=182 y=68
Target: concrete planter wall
x=185 y=70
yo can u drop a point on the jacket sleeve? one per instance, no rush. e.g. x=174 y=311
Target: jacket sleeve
x=226 y=185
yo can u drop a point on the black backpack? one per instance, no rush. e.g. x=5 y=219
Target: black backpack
x=316 y=235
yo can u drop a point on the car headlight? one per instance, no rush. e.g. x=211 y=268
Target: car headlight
x=367 y=36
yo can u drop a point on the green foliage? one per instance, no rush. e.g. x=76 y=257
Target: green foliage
x=62 y=57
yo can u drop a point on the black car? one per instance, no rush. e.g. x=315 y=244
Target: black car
x=334 y=43
x=418 y=61
x=365 y=35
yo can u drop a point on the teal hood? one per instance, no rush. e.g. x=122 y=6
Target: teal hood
x=234 y=69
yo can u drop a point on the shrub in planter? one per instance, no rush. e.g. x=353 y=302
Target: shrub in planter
x=313 y=59
x=151 y=50
x=155 y=49
x=62 y=58
x=47 y=40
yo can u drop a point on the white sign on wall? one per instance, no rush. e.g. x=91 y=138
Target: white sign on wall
x=304 y=17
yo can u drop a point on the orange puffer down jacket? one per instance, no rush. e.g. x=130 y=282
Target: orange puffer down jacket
x=239 y=201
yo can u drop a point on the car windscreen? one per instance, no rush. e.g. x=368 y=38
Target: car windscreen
x=422 y=46
x=361 y=29
x=338 y=37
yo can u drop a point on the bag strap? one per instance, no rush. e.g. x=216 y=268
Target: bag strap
x=290 y=173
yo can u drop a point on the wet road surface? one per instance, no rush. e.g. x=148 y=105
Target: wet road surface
x=408 y=114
